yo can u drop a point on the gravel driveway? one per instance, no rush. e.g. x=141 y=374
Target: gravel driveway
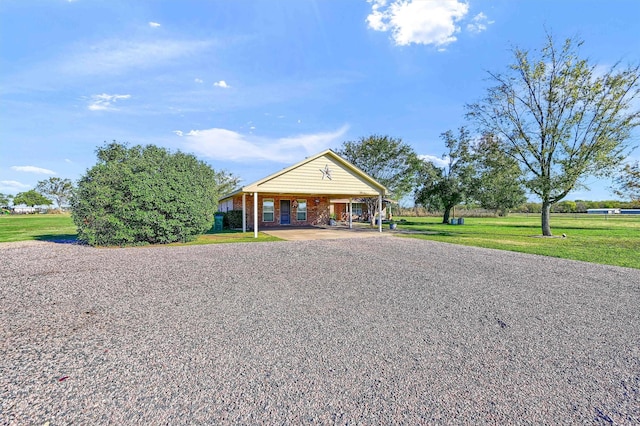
x=382 y=330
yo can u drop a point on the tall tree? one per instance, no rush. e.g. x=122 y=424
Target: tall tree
x=59 y=190
x=390 y=161
x=31 y=198
x=226 y=182
x=5 y=199
x=142 y=195
x=628 y=182
x=447 y=186
x=497 y=184
x=561 y=117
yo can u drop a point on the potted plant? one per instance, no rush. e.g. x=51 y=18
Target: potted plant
x=332 y=219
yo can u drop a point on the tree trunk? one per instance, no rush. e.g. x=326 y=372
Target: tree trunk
x=373 y=208
x=546 y=213
x=447 y=213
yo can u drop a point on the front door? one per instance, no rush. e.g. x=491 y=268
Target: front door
x=285 y=212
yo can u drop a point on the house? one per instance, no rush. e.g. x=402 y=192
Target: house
x=304 y=194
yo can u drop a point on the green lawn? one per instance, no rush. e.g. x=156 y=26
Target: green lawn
x=228 y=237
x=42 y=227
x=610 y=240
x=60 y=227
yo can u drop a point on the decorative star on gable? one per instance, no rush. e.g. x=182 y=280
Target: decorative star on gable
x=326 y=172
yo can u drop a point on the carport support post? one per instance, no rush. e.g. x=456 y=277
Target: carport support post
x=244 y=212
x=380 y=213
x=255 y=215
x=350 y=213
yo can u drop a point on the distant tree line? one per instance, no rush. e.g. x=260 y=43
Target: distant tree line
x=45 y=193
x=476 y=210
x=578 y=206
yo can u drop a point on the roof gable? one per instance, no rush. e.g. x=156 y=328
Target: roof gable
x=323 y=173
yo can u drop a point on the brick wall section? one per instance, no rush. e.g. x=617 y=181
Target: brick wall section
x=317 y=213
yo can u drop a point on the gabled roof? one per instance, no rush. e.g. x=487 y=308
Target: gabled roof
x=323 y=173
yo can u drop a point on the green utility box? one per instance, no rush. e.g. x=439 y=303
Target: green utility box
x=217 y=224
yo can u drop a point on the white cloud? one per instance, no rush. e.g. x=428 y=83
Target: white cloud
x=199 y=80
x=479 y=23
x=222 y=84
x=227 y=145
x=154 y=24
x=438 y=161
x=117 y=56
x=105 y=102
x=178 y=132
x=418 y=21
x=12 y=186
x=66 y=160
x=33 y=169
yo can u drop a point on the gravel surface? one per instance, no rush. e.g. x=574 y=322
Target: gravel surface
x=385 y=330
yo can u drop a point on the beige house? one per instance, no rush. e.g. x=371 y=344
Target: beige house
x=305 y=194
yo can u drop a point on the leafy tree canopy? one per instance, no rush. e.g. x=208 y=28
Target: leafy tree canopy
x=628 y=182
x=5 y=199
x=56 y=188
x=561 y=117
x=443 y=188
x=31 y=198
x=388 y=160
x=497 y=183
x=142 y=195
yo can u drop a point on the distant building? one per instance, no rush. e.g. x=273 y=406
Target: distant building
x=613 y=211
x=23 y=210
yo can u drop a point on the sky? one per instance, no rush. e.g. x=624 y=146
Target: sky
x=253 y=86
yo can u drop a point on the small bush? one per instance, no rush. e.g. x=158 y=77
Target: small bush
x=232 y=219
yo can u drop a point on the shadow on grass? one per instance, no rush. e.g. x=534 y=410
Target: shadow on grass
x=224 y=231
x=58 y=238
x=408 y=222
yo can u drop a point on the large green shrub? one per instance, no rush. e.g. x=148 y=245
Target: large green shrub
x=142 y=195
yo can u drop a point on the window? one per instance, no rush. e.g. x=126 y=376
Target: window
x=267 y=210
x=301 y=214
x=357 y=209
x=225 y=206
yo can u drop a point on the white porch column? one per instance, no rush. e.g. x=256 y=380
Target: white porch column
x=255 y=215
x=380 y=213
x=350 y=213
x=244 y=212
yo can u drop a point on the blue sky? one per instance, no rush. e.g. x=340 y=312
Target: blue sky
x=254 y=86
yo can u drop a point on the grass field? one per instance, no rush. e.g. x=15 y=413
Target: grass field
x=610 y=240
x=60 y=227
x=40 y=227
